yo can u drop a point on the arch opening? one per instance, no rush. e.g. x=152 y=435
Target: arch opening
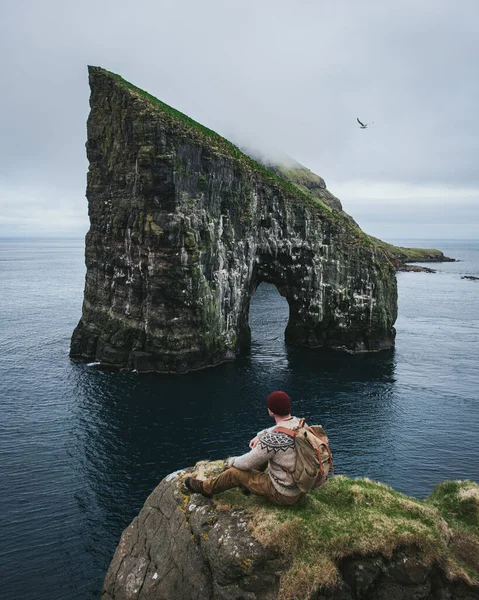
x=267 y=320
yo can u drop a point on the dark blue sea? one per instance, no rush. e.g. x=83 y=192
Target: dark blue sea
x=81 y=449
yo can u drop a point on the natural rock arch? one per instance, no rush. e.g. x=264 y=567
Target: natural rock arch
x=184 y=227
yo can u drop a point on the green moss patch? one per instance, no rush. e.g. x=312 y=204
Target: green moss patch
x=351 y=517
x=458 y=504
x=152 y=226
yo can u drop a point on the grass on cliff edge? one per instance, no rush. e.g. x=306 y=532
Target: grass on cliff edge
x=220 y=143
x=360 y=517
x=408 y=254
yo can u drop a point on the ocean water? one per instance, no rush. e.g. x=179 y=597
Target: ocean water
x=81 y=448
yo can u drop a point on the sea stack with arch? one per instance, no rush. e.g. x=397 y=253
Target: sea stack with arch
x=184 y=227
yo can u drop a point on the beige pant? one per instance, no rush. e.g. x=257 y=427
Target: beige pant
x=255 y=481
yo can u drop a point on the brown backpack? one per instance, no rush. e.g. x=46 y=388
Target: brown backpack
x=313 y=456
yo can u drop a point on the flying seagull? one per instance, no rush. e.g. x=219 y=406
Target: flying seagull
x=363 y=125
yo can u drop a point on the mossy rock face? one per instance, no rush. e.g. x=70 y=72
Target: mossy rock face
x=152 y=226
x=348 y=540
x=190 y=240
x=184 y=227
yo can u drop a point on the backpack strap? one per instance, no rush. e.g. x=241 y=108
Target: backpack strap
x=285 y=430
x=291 y=432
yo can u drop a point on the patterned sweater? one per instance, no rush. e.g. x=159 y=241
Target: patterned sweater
x=277 y=451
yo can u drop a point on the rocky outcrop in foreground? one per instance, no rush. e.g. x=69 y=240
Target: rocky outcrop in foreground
x=349 y=540
x=184 y=227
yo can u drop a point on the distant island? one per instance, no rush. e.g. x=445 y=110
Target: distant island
x=184 y=226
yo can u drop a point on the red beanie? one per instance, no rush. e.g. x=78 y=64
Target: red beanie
x=279 y=403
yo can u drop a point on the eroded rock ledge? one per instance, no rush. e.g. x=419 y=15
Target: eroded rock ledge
x=184 y=227
x=350 y=540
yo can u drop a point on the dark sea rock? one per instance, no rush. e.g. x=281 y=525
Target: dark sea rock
x=414 y=268
x=184 y=227
x=183 y=547
x=471 y=277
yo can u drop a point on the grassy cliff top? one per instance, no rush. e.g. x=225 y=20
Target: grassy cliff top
x=360 y=517
x=409 y=254
x=306 y=181
x=295 y=173
x=216 y=142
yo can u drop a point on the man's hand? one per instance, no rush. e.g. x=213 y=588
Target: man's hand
x=253 y=442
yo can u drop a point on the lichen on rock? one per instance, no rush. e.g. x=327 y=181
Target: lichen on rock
x=349 y=540
x=184 y=227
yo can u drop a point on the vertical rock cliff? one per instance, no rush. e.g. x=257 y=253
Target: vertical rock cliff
x=184 y=227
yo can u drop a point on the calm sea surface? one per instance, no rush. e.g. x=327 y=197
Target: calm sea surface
x=81 y=449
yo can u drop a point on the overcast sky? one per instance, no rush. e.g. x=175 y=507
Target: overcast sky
x=286 y=76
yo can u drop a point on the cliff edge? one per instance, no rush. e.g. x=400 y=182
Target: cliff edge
x=349 y=540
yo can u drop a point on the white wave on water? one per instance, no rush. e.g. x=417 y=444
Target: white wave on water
x=93 y=364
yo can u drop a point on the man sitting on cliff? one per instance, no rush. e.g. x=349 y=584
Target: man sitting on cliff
x=271 y=449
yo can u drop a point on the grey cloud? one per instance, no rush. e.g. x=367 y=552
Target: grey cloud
x=277 y=75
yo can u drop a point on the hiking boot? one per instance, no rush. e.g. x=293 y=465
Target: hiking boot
x=195 y=486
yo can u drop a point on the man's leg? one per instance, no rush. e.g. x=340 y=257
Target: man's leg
x=255 y=481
